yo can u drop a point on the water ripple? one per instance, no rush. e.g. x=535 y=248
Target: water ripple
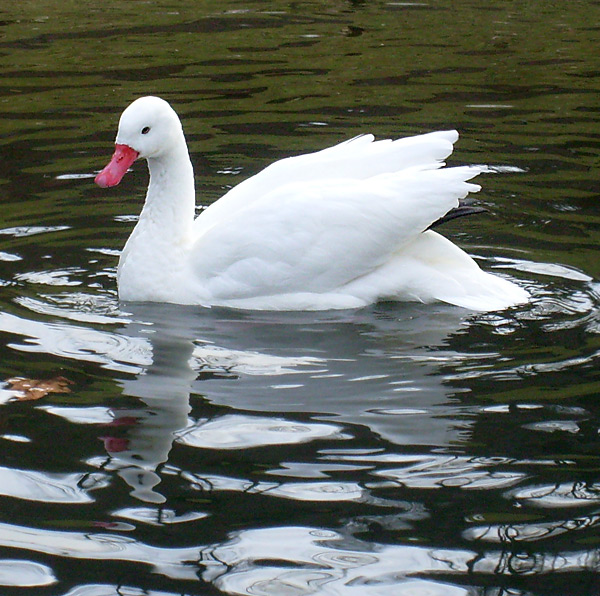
x=236 y=431
x=153 y=517
x=303 y=561
x=566 y=494
x=46 y=487
x=171 y=562
x=25 y=574
x=47 y=277
x=25 y=231
x=68 y=341
x=81 y=307
x=438 y=471
x=316 y=491
x=113 y=589
x=532 y=532
x=214 y=358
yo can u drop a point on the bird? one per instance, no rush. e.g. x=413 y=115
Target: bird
x=341 y=228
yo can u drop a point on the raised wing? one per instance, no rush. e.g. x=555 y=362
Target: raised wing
x=318 y=235
x=356 y=159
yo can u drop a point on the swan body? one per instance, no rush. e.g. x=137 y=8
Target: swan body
x=340 y=228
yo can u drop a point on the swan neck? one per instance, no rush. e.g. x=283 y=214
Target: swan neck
x=170 y=200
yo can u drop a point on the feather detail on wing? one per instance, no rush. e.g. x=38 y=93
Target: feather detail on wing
x=324 y=233
x=355 y=159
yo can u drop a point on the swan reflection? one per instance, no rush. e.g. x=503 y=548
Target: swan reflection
x=329 y=369
x=258 y=379
x=194 y=386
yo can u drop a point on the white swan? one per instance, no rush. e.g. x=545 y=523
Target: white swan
x=341 y=228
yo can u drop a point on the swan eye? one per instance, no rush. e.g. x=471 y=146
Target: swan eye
x=145 y=130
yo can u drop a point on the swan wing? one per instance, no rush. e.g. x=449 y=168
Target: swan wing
x=317 y=236
x=356 y=159
x=432 y=268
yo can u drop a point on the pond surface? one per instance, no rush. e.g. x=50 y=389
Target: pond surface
x=401 y=449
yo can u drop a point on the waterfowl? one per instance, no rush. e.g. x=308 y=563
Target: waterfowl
x=340 y=228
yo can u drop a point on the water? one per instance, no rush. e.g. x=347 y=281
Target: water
x=401 y=449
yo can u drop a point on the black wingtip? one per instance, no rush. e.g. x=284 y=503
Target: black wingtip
x=460 y=211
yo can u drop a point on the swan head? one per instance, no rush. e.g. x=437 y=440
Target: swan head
x=149 y=128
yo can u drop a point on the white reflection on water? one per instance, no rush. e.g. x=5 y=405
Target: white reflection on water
x=24 y=231
x=322 y=491
x=79 y=343
x=81 y=415
x=249 y=362
x=111 y=590
x=7 y=256
x=540 y=268
x=172 y=562
x=59 y=277
x=235 y=431
x=303 y=560
x=566 y=494
x=24 y=574
x=15 y=438
x=561 y=497
x=433 y=471
x=254 y=347
x=158 y=517
x=49 y=488
x=354 y=366
x=533 y=532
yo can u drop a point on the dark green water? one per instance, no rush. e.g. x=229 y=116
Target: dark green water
x=402 y=449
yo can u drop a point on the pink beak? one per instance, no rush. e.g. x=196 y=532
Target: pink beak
x=119 y=163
